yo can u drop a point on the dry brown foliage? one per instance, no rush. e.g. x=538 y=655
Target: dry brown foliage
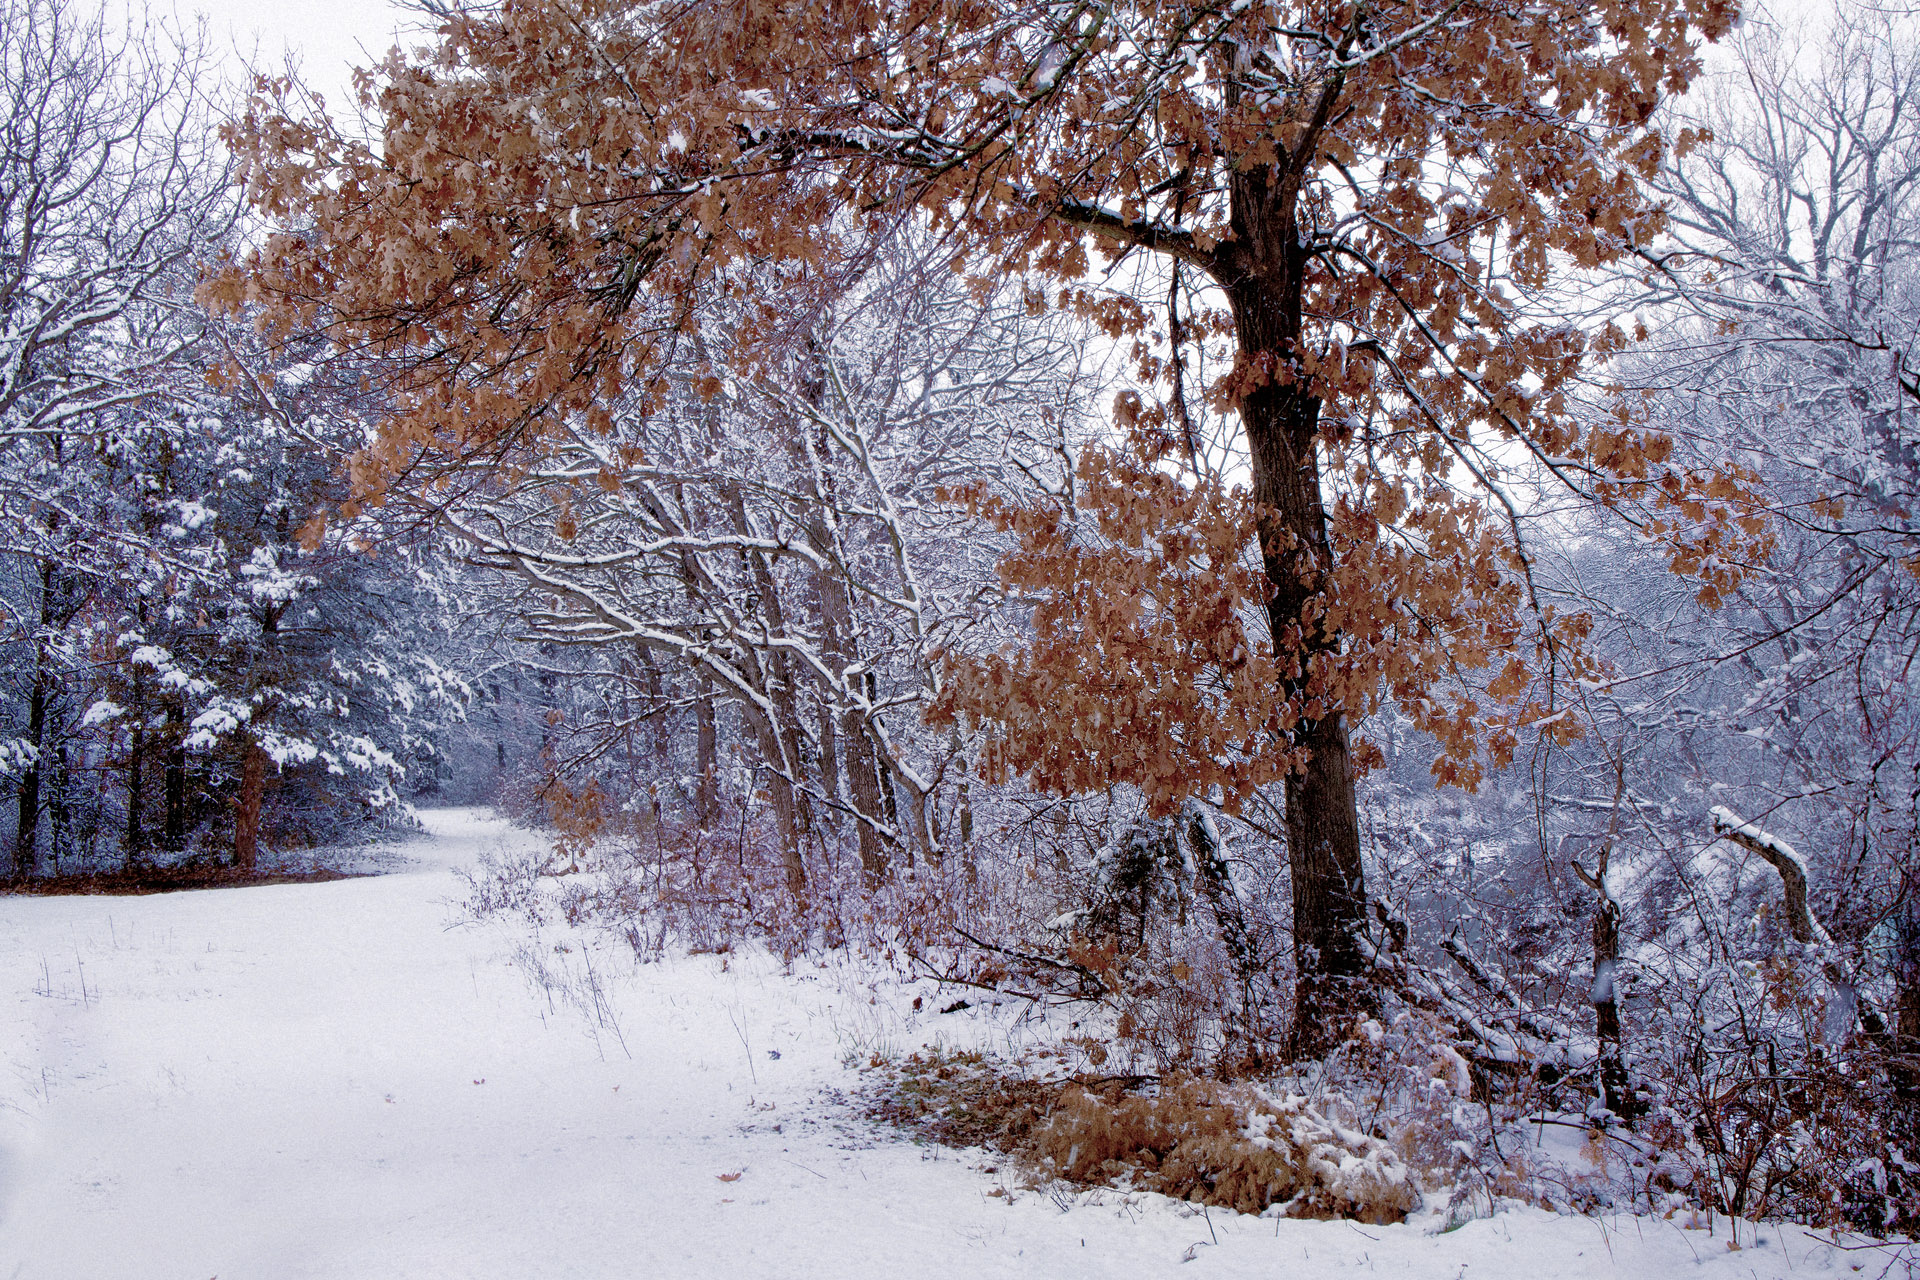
x=1229 y=1146
x=555 y=185
x=1148 y=666
x=1232 y=1146
x=957 y=1099
x=577 y=815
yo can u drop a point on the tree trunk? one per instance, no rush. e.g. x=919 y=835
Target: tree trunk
x=27 y=830
x=965 y=801
x=657 y=703
x=59 y=810
x=772 y=748
x=783 y=746
x=840 y=648
x=922 y=825
x=863 y=784
x=136 y=783
x=828 y=762
x=1616 y=1094
x=174 y=835
x=889 y=803
x=706 y=758
x=246 y=813
x=1906 y=1017
x=798 y=822
x=1263 y=279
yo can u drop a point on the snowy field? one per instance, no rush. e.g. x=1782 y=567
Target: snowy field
x=343 y=1080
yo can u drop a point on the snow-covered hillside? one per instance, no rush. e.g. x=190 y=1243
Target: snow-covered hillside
x=344 y=1080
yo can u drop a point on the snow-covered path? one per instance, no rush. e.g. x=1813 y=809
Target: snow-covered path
x=337 y=1080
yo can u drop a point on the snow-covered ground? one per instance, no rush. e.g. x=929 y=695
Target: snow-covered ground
x=342 y=1080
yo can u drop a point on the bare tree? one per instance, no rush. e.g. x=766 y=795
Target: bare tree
x=1786 y=304
x=773 y=536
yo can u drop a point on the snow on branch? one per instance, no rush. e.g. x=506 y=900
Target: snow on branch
x=1786 y=860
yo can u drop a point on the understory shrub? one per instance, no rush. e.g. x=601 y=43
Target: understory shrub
x=660 y=882
x=1472 y=1079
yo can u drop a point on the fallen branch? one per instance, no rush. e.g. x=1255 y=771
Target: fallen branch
x=1801 y=922
x=1787 y=861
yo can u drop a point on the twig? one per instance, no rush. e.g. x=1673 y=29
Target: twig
x=1067 y=965
x=741 y=1032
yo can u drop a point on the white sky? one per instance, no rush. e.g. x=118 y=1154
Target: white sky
x=327 y=37
x=330 y=36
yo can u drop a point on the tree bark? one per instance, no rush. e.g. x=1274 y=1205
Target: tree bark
x=773 y=753
x=706 y=756
x=27 y=829
x=922 y=826
x=174 y=835
x=840 y=649
x=246 y=813
x=1905 y=1065
x=782 y=748
x=1263 y=272
x=863 y=785
x=1616 y=1095
x=136 y=782
x=662 y=741
x=1805 y=929
x=59 y=810
x=883 y=777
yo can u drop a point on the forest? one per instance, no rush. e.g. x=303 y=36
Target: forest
x=1368 y=551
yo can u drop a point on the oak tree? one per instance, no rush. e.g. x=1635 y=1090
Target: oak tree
x=1371 y=188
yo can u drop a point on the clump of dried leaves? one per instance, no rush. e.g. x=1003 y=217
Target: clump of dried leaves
x=959 y=1099
x=1231 y=1146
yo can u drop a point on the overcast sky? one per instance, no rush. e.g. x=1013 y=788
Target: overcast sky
x=327 y=36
